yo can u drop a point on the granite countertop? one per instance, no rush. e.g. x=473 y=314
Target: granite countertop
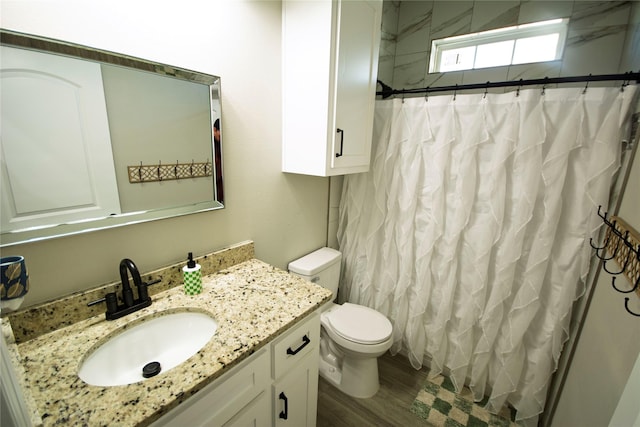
x=252 y=302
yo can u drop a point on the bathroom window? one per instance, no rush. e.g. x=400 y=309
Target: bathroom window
x=521 y=44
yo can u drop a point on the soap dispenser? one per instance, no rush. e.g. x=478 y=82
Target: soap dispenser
x=192 y=277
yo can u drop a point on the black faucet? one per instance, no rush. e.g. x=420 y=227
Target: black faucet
x=127 y=292
x=115 y=310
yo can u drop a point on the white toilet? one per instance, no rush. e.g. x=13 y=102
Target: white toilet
x=352 y=336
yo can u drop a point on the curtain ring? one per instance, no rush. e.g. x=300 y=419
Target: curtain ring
x=455 y=91
x=624 y=83
x=486 y=89
x=403 y=93
x=518 y=90
x=426 y=94
x=544 y=86
x=586 y=86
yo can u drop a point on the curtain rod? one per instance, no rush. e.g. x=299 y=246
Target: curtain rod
x=388 y=91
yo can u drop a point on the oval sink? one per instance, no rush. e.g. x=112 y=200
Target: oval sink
x=168 y=340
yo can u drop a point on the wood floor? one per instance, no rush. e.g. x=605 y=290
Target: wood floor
x=399 y=385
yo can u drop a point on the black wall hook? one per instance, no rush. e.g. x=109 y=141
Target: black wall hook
x=635 y=287
x=622 y=270
x=605 y=258
x=599 y=248
x=626 y=306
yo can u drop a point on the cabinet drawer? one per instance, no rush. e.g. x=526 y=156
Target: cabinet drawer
x=221 y=400
x=295 y=344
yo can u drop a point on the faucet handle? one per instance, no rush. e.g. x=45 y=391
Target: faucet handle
x=143 y=293
x=112 y=302
x=153 y=282
x=110 y=299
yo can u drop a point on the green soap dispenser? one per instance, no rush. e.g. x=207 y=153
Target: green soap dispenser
x=192 y=277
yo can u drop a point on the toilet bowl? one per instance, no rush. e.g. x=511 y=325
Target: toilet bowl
x=355 y=337
x=352 y=336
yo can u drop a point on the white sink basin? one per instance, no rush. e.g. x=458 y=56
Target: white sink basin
x=170 y=340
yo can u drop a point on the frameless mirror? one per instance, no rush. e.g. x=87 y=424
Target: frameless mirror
x=92 y=139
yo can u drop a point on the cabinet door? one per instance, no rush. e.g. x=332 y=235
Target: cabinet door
x=254 y=414
x=226 y=400
x=295 y=395
x=356 y=72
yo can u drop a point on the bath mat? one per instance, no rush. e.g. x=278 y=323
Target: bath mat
x=439 y=405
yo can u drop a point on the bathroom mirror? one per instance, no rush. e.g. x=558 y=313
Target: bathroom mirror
x=92 y=139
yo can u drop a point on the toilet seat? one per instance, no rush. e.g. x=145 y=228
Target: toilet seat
x=359 y=324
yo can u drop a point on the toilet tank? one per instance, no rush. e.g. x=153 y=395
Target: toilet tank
x=321 y=267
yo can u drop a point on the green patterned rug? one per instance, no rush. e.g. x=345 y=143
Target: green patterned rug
x=439 y=405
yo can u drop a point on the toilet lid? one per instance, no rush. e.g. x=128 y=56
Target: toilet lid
x=360 y=324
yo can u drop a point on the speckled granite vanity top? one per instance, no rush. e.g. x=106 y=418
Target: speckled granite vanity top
x=252 y=302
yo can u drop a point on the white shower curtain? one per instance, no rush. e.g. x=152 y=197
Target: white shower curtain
x=471 y=230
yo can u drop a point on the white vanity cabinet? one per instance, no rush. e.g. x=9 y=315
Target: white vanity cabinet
x=276 y=386
x=330 y=64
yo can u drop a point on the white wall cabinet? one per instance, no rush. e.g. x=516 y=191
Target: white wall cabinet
x=330 y=65
x=276 y=386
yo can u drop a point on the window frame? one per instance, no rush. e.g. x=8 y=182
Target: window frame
x=514 y=33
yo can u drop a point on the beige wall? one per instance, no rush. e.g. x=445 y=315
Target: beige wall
x=286 y=215
x=168 y=120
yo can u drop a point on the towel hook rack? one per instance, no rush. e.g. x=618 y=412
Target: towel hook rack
x=169 y=171
x=622 y=242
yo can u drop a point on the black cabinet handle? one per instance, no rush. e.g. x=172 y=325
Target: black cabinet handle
x=305 y=341
x=341 y=132
x=284 y=414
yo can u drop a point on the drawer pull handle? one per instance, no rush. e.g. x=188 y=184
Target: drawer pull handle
x=305 y=341
x=284 y=414
x=341 y=132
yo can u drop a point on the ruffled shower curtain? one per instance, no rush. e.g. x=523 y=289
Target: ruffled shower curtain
x=470 y=232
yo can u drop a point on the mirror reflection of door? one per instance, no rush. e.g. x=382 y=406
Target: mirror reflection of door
x=156 y=114
x=62 y=169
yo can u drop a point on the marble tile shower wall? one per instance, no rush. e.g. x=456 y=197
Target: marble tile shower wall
x=603 y=38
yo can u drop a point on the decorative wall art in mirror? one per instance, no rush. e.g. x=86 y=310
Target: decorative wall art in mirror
x=91 y=140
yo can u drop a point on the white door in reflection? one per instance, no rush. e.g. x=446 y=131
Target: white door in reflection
x=61 y=170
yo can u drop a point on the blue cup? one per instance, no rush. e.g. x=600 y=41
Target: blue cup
x=15 y=280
